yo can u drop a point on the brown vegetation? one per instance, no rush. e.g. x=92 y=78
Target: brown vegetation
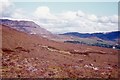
x=27 y=56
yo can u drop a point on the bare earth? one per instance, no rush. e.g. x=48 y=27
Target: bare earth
x=27 y=56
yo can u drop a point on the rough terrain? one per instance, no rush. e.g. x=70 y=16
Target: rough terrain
x=26 y=56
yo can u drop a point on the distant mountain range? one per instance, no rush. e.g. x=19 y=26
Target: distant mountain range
x=111 y=36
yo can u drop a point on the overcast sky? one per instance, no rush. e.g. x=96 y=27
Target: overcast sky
x=61 y=17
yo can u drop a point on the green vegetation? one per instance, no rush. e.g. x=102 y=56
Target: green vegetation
x=95 y=44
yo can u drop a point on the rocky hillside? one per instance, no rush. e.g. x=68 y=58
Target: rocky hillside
x=25 y=55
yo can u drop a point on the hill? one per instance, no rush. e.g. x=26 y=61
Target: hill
x=29 y=27
x=25 y=55
x=111 y=36
x=108 y=40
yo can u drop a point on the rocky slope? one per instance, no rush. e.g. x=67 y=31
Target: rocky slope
x=26 y=56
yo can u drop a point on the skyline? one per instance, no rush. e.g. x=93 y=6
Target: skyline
x=60 y=17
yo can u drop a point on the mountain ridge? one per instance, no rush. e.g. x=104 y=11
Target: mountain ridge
x=111 y=36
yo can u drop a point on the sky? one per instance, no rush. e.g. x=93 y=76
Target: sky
x=61 y=17
x=65 y=0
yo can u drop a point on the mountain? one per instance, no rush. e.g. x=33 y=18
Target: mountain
x=32 y=56
x=111 y=36
x=29 y=27
x=32 y=28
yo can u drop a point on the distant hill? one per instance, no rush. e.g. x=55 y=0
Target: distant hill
x=108 y=40
x=111 y=36
x=29 y=27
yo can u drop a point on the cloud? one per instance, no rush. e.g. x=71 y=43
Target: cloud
x=68 y=21
x=43 y=13
x=92 y=17
x=114 y=19
x=78 y=21
x=5 y=8
x=70 y=15
x=80 y=13
x=20 y=14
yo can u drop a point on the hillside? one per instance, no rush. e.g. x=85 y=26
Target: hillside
x=108 y=40
x=25 y=55
x=29 y=27
x=111 y=36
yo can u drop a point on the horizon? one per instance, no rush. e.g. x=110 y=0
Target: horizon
x=61 y=17
x=60 y=33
